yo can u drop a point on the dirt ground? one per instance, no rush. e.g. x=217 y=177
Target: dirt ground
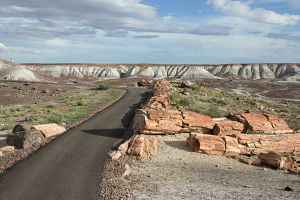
x=179 y=173
x=260 y=88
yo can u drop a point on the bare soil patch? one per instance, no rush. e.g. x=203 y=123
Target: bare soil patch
x=179 y=173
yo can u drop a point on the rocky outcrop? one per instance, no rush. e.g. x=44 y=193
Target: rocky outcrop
x=33 y=72
x=156 y=118
x=25 y=139
x=49 y=130
x=142 y=146
x=292 y=163
x=263 y=123
x=6 y=149
x=227 y=127
x=270 y=149
x=196 y=122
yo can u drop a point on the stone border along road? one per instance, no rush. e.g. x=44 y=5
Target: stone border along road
x=70 y=166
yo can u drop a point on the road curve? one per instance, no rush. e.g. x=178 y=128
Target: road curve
x=70 y=166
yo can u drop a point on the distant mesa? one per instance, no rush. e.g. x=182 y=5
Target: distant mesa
x=44 y=72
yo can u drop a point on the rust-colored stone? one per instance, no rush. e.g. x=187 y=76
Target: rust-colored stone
x=227 y=127
x=252 y=160
x=6 y=149
x=196 y=122
x=231 y=146
x=142 y=146
x=265 y=123
x=49 y=130
x=207 y=144
x=281 y=161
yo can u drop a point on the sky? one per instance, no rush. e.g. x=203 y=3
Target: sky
x=150 y=31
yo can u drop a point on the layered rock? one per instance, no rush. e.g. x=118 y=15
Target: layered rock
x=207 y=144
x=25 y=139
x=262 y=123
x=227 y=127
x=7 y=149
x=271 y=149
x=49 y=130
x=196 y=122
x=31 y=72
x=142 y=146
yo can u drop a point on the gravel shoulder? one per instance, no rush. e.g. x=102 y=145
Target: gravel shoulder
x=179 y=173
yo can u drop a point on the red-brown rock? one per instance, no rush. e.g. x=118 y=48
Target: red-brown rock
x=252 y=160
x=6 y=149
x=231 y=146
x=227 y=127
x=196 y=122
x=158 y=122
x=142 y=146
x=49 y=130
x=283 y=162
x=265 y=123
x=207 y=144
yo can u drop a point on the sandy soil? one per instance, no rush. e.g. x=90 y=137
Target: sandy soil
x=179 y=173
x=14 y=93
x=262 y=88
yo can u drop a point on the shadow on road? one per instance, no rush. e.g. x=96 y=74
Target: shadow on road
x=126 y=120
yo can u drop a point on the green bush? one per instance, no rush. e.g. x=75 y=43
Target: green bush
x=80 y=103
x=7 y=127
x=51 y=105
x=103 y=86
x=212 y=112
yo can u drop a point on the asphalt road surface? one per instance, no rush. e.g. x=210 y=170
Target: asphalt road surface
x=70 y=166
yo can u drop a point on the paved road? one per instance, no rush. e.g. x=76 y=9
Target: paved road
x=70 y=166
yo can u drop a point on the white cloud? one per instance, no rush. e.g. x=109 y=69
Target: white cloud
x=244 y=10
x=295 y=3
x=54 y=15
x=2 y=46
x=57 y=42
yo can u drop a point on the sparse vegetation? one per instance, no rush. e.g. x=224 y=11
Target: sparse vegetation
x=103 y=86
x=66 y=109
x=217 y=103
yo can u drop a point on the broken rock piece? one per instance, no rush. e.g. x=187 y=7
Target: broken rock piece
x=196 y=122
x=263 y=123
x=207 y=144
x=227 y=127
x=49 y=130
x=142 y=146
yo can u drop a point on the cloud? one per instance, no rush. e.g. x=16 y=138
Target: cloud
x=146 y=36
x=284 y=36
x=2 y=48
x=295 y=3
x=57 y=42
x=243 y=10
x=215 y=30
x=53 y=18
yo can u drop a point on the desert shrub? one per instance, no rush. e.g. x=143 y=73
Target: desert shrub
x=212 y=112
x=54 y=118
x=219 y=101
x=7 y=127
x=8 y=113
x=174 y=97
x=80 y=103
x=30 y=118
x=51 y=105
x=185 y=102
x=103 y=86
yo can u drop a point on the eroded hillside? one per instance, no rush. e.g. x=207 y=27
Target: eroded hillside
x=36 y=72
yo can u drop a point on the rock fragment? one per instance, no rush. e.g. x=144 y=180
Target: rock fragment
x=49 y=130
